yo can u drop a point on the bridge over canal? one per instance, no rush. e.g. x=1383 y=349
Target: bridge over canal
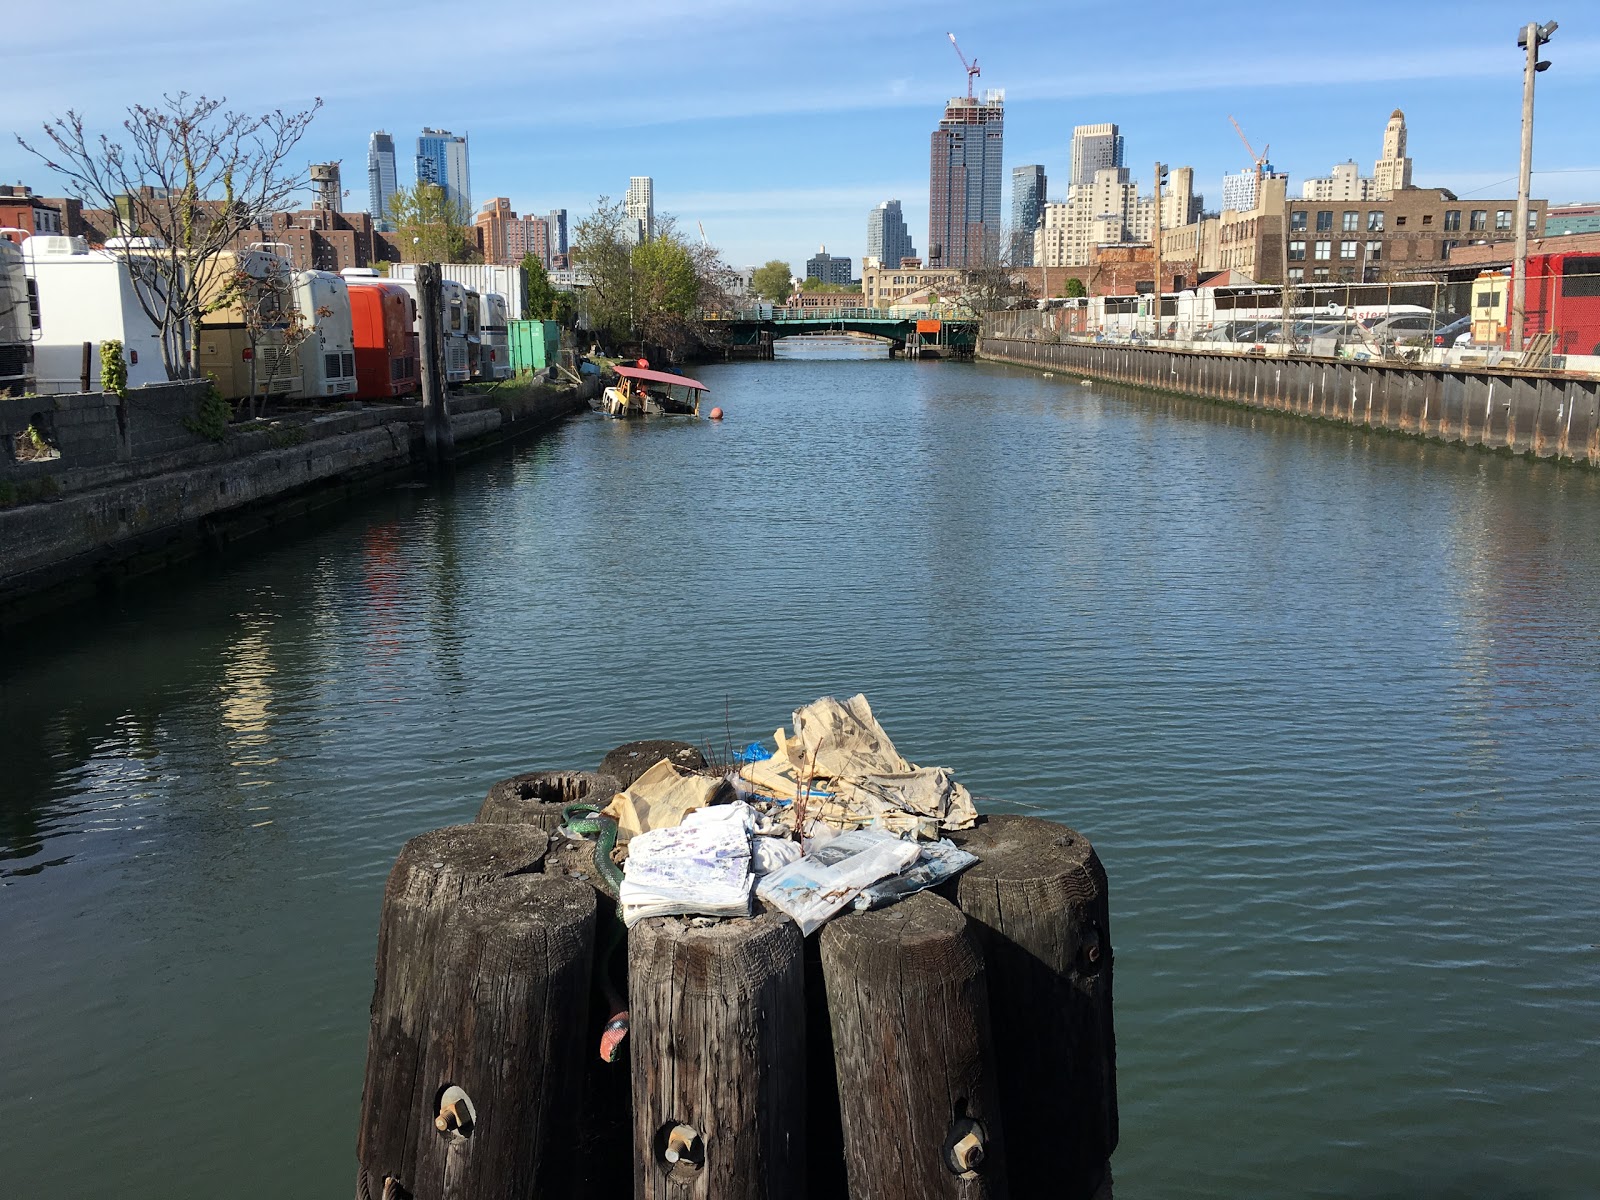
x=909 y=332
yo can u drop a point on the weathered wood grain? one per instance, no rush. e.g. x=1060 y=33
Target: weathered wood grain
x=482 y=982
x=632 y=759
x=909 y=1010
x=537 y=797
x=718 y=1048
x=1037 y=902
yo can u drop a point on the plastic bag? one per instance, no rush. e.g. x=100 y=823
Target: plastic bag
x=814 y=888
x=937 y=862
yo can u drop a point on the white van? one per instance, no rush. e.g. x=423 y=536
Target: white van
x=88 y=296
x=328 y=353
x=494 y=354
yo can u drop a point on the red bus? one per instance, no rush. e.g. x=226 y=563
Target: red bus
x=383 y=316
x=1564 y=295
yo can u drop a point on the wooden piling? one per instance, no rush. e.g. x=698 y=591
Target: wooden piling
x=718 y=1052
x=438 y=436
x=1037 y=902
x=632 y=759
x=474 y=1056
x=909 y=1010
x=537 y=797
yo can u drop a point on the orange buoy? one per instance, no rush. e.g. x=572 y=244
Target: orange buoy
x=716 y=414
x=644 y=364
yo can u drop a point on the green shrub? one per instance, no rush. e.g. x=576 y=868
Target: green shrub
x=211 y=417
x=113 y=369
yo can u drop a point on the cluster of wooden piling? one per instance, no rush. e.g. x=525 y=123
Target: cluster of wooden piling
x=956 y=1044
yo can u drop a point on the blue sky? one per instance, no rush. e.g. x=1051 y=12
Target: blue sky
x=779 y=125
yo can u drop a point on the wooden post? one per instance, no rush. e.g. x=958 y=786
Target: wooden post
x=85 y=373
x=909 y=1009
x=537 y=797
x=632 y=759
x=474 y=1058
x=1037 y=902
x=438 y=438
x=718 y=1059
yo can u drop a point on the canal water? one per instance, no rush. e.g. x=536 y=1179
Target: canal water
x=1324 y=701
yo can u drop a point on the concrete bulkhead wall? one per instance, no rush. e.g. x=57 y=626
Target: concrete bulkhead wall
x=99 y=428
x=137 y=521
x=1525 y=412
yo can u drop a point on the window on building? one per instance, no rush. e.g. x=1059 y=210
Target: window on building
x=1375 y=221
x=1446 y=246
x=1502 y=218
x=1427 y=219
x=1452 y=219
x=1347 y=249
x=1325 y=221
x=1399 y=222
x=1374 y=251
x=1479 y=219
x=1296 y=274
x=1352 y=222
x=1533 y=219
x=1324 y=249
x=1297 y=221
x=1319 y=272
x=1297 y=252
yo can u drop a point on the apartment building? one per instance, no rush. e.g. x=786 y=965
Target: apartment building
x=882 y=286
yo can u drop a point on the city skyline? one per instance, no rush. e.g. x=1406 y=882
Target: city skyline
x=1460 y=94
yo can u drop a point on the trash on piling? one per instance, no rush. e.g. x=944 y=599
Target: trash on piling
x=661 y=798
x=701 y=869
x=814 y=888
x=865 y=781
x=834 y=819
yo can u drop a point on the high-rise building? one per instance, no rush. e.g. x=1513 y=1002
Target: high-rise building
x=828 y=267
x=1344 y=183
x=381 y=182
x=640 y=208
x=442 y=159
x=1393 y=171
x=495 y=220
x=888 y=239
x=1106 y=211
x=557 y=221
x=964 y=182
x=1239 y=189
x=1094 y=148
x=1028 y=198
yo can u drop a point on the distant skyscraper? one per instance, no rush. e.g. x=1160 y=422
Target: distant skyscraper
x=888 y=239
x=640 y=208
x=1393 y=171
x=1027 y=203
x=557 y=222
x=828 y=267
x=1094 y=148
x=1239 y=190
x=442 y=159
x=381 y=182
x=964 y=182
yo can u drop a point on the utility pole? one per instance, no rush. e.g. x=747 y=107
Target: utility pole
x=1156 y=291
x=1533 y=36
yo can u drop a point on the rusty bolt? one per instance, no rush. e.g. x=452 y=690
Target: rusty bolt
x=683 y=1144
x=968 y=1152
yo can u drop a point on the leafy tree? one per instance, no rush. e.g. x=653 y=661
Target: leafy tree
x=1075 y=288
x=429 y=227
x=193 y=180
x=536 y=283
x=655 y=290
x=774 y=281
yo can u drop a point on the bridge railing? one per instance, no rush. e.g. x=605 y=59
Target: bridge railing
x=781 y=314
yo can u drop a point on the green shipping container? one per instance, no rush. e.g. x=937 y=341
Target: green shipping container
x=535 y=345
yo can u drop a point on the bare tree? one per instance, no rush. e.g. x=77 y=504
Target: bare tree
x=997 y=282
x=194 y=180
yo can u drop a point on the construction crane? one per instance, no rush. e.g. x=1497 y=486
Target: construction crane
x=972 y=67
x=1258 y=159
x=704 y=240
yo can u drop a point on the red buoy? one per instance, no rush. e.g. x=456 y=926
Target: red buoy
x=644 y=364
x=716 y=414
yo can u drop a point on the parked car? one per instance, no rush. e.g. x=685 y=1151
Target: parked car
x=1404 y=329
x=1454 y=333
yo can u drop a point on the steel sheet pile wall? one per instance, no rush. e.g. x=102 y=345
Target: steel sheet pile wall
x=1539 y=413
